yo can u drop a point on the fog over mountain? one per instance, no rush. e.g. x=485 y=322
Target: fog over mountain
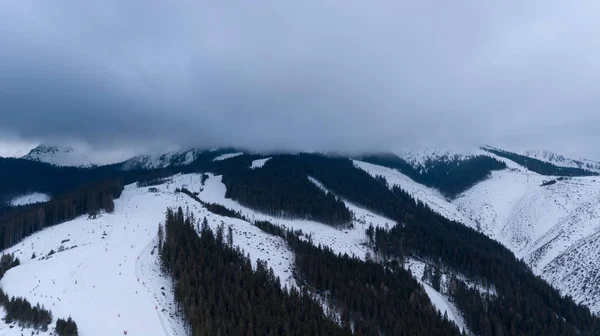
x=152 y=75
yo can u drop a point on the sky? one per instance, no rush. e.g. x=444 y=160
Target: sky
x=330 y=75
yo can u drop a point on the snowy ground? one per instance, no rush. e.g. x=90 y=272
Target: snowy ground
x=29 y=199
x=105 y=272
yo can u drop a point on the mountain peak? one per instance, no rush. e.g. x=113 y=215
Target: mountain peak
x=59 y=156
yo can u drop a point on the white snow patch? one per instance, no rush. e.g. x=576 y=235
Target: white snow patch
x=259 y=163
x=227 y=156
x=29 y=199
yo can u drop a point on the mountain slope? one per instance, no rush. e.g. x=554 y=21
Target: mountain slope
x=560 y=160
x=60 y=156
x=550 y=226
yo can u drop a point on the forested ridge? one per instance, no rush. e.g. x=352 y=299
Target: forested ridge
x=539 y=166
x=220 y=293
x=282 y=188
x=450 y=175
x=23 y=221
x=372 y=298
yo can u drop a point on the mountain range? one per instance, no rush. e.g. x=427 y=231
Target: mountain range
x=539 y=206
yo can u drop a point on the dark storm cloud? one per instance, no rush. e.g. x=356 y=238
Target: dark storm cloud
x=311 y=75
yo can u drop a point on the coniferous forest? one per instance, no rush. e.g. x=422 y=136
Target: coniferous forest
x=282 y=188
x=449 y=175
x=423 y=234
x=220 y=293
x=23 y=221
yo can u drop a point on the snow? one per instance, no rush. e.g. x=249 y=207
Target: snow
x=174 y=158
x=562 y=161
x=259 y=163
x=227 y=156
x=438 y=299
x=29 y=199
x=61 y=156
x=553 y=228
x=418 y=157
x=350 y=241
x=93 y=276
x=433 y=198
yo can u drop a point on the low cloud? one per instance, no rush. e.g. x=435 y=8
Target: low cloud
x=310 y=75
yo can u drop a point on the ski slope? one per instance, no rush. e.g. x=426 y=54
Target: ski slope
x=105 y=271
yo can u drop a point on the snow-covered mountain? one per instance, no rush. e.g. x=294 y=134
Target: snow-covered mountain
x=560 y=160
x=175 y=158
x=420 y=157
x=554 y=228
x=61 y=156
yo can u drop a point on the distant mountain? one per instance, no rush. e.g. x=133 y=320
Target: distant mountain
x=60 y=156
x=560 y=160
x=178 y=158
x=541 y=167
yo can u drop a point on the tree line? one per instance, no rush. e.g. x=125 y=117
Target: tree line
x=89 y=199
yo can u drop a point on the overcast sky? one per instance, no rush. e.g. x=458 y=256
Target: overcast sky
x=303 y=75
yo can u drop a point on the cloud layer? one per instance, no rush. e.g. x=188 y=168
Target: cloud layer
x=308 y=75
